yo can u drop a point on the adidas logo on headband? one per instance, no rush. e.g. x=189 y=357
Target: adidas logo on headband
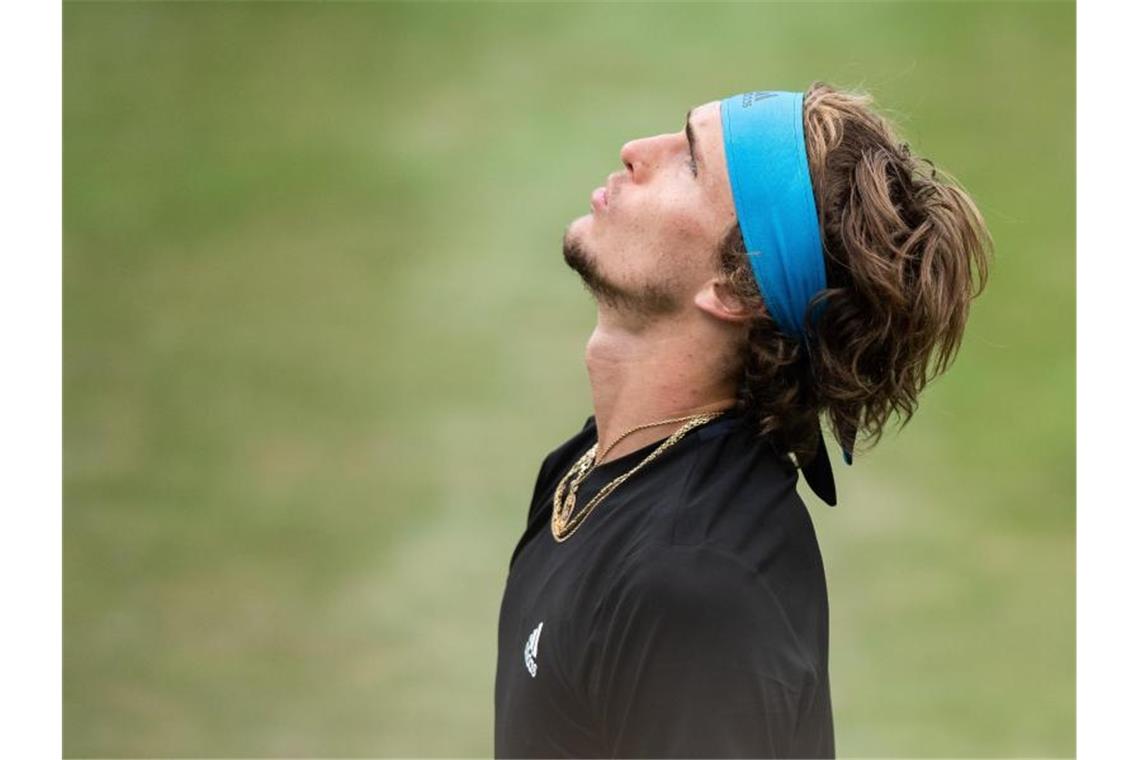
x=749 y=98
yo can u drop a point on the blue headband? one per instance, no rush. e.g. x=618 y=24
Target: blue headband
x=775 y=206
x=771 y=187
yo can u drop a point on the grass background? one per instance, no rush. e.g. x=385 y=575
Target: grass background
x=319 y=336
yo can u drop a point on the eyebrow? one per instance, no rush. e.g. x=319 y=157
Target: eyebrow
x=691 y=137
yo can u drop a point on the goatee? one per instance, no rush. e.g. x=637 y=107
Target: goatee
x=648 y=300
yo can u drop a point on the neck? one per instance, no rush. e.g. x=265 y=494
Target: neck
x=649 y=372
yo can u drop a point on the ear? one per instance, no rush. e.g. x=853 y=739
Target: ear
x=716 y=299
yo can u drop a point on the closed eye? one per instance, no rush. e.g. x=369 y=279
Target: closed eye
x=692 y=140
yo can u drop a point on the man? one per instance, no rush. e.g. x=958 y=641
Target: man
x=781 y=257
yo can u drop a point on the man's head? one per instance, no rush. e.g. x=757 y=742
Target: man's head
x=649 y=245
x=901 y=246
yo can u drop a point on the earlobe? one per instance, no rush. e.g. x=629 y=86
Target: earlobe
x=717 y=299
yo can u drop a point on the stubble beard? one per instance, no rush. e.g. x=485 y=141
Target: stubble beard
x=646 y=301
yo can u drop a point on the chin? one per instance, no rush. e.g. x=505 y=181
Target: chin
x=579 y=227
x=579 y=233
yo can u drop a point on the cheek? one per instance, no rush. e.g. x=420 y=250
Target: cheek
x=689 y=226
x=688 y=230
x=676 y=216
x=680 y=227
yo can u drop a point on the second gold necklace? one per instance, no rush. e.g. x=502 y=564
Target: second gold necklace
x=563 y=522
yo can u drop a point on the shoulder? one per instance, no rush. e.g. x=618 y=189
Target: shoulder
x=740 y=496
x=740 y=535
x=703 y=597
x=557 y=462
x=568 y=451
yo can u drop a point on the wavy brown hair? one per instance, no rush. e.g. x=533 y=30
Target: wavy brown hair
x=905 y=252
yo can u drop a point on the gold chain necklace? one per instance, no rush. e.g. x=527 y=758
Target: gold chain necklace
x=562 y=524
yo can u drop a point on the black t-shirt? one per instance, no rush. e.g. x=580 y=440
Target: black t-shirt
x=686 y=617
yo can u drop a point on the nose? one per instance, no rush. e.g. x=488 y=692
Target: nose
x=641 y=155
x=630 y=155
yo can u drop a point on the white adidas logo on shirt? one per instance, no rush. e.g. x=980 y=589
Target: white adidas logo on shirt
x=530 y=651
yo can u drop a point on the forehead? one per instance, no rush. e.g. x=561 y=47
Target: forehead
x=705 y=119
x=706 y=122
x=707 y=114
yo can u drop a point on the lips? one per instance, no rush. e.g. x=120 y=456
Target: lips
x=599 y=200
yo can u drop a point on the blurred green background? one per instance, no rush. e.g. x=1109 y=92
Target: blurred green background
x=319 y=336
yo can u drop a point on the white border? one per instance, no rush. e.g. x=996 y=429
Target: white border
x=1108 y=539
x=31 y=378
x=30 y=315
